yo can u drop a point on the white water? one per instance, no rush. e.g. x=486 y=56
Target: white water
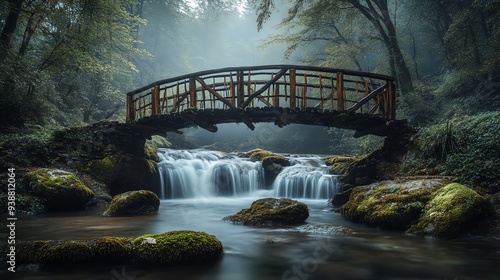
x=307 y=178
x=203 y=173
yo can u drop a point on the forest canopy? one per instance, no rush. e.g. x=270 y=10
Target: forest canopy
x=68 y=62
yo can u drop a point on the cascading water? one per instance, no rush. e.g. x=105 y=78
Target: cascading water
x=203 y=173
x=307 y=177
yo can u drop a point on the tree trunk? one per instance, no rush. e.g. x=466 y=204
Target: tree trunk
x=10 y=23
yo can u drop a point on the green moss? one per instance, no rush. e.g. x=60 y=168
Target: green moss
x=271 y=211
x=258 y=154
x=389 y=204
x=133 y=202
x=60 y=189
x=54 y=252
x=118 y=249
x=176 y=247
x=150 y=153
x=450 y=210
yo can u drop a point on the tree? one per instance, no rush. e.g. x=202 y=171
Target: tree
x=376 y=12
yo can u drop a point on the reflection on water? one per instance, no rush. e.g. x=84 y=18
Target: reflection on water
x=267 y=252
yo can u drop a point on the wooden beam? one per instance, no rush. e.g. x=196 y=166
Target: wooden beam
x=193 y=117
x=215 y=93
x=367 y=98
x=247 y=122
x=265 y=87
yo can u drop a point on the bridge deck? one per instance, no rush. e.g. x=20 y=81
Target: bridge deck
x=273 y=93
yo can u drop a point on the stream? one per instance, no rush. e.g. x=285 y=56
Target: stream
x=263 y=252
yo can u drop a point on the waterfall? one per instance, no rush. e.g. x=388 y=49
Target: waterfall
x=308 y=177
x=203 y=173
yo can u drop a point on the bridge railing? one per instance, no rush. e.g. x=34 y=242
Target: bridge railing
x=293 y=86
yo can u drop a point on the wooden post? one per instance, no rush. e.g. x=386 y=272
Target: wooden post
x=391 y=88
x=192 y=93
x=293 y=82
x=276 y=96
x=240 y=89
x=130 y=108
x=340 y=92
x=367 y=91
x=304 y=93
x=155 y=100
x=232 y=90
x=320 y=92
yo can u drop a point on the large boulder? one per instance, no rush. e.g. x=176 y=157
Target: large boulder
x=271 y=211
x=176 y=247
x=133 y=203
x=451 y=209
x=60 y=190
x=390 y=204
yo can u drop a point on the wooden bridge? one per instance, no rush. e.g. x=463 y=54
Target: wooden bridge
x=282 y=94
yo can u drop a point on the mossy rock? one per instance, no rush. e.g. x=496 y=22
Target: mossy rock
x=258 y=154
x=133 y=203
x=339 y=164
x=271 y=211
x=390 y=204
x=118 y=249
x=451 y=209
x=61 y=190
x=55 y=252
x=176 y=247
x=271 y=163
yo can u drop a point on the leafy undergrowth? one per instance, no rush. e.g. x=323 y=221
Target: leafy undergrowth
x=467 y=148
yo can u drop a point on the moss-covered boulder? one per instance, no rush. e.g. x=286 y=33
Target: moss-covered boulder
x=60 y=190
x=390 y=204
x=451 y=209
x=271 y=163
x=271 y=211
x=133 y=203
x=176 y=247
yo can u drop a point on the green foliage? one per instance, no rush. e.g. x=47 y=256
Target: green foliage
x=26 y=148
x=342 y=143
x=466 y=147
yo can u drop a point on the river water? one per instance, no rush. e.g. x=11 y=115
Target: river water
x=264 y=252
